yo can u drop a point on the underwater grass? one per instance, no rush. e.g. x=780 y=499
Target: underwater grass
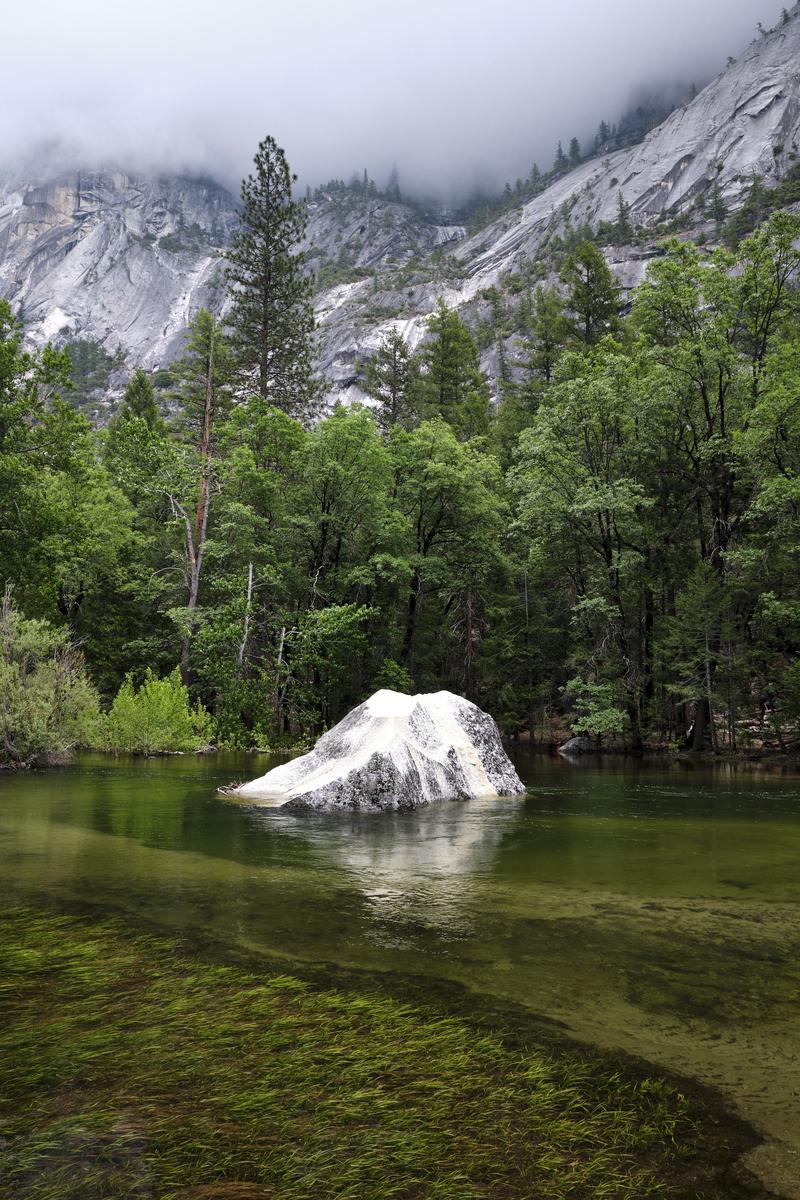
x=131 y=1068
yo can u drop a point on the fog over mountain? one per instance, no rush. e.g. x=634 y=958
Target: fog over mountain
x=452 y=92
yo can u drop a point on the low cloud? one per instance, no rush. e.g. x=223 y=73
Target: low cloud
x=453 y=93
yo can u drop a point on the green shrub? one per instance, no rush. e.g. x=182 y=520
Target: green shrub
x=394 y=676
x=595 y=708
x=156 y=718
x=48 y=706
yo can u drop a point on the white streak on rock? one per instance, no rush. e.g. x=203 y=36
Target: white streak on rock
x=394 y=752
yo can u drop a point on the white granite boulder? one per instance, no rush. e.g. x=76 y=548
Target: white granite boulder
x=394 y=752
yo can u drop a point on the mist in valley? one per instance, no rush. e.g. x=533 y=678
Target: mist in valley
x=457 y=96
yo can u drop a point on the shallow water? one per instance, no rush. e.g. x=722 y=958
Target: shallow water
x=651 y=910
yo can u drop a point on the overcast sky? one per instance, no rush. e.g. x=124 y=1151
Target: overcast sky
x=450 y=90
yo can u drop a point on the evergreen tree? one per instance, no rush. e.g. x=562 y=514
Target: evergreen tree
x=139 y=400
x=718 y=209
x=750 y=215
x=452 y=384
x=561 y=160
x=391 y=379
x=136 y=421
x=201 y=383
x=271 y=319
x=593 y=295
x=624 y=226
x=549 y=333
x=575 y=155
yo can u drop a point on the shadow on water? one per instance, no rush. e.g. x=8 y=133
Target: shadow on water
x=645 y=909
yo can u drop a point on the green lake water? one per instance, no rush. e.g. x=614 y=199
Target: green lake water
x=650 y=910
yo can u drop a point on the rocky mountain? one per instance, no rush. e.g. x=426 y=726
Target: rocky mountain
x=122 y=260
x=111 y=257
x=746 y=122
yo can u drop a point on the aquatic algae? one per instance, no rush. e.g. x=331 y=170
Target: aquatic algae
x=132 y=1067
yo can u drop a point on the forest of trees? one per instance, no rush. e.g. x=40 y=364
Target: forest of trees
x=614 y=549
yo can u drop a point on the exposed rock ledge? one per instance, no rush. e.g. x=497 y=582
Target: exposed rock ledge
x=394 y=752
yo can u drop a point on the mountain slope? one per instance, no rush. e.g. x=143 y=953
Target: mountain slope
x=745 y=122
x=125 y=260
x=108 y=256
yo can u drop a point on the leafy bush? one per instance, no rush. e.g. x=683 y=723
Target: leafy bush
x=323 y=648
x=596 y=711
x=156 y=718
x=48 y=706
x=395 y=676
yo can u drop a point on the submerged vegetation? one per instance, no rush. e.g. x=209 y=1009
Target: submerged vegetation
x=129 y=1068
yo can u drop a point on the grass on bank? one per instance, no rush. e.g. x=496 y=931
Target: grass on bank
x=129 y=1068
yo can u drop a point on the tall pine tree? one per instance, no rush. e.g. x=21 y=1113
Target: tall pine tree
x=391 y=378
x=139 y=400
x=452 y=385
x=593 y=296
x=271 y=319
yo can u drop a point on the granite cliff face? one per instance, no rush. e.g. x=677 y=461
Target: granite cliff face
x=116 y=258
x=361 y=250
x=125 y=260
x=745 y=122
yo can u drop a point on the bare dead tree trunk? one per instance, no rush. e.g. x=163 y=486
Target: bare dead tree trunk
x=280 y=716
x=195 y=551
x=205 y=445
x=247 y=611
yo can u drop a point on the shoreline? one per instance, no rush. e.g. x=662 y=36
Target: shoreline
x=654 y=756
x=659 y=755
